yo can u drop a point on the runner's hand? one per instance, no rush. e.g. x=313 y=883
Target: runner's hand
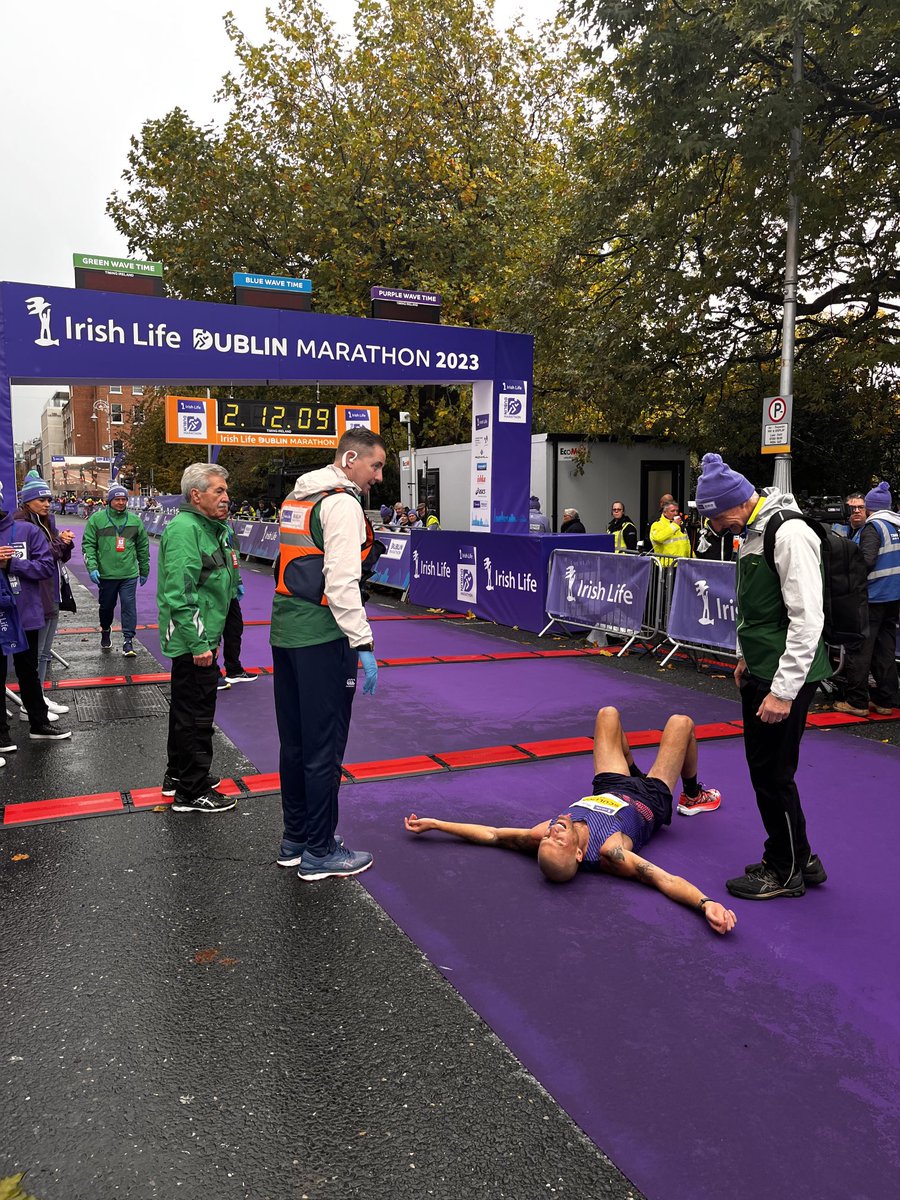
x=720 y=919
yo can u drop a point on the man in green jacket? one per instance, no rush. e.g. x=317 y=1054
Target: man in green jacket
x=116 y=552
x=197 y=579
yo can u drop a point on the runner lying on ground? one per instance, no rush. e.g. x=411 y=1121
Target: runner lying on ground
x=607 y=829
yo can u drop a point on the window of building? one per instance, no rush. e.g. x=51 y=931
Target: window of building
x=118 y=446
x=115 y=389
x=137 y=414
x=115 y=414
x=137 y=390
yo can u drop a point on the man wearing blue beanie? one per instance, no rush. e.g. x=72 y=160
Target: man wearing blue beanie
x=782 y=659
x=116 y=552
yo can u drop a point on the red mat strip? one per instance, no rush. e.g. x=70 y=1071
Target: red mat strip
x=489 y=756
x=557 y=747
x=644 y=737
x=68 y=806
x=262 y=783
x=392 y=768
x=720 y=729
x=824 y=720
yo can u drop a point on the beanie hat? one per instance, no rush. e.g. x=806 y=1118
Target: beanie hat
x=34 y=488
x=534 y=502
x=879 y=497
x=115 y=492
x=719 y=488
x=386 y=511
x=34 y=473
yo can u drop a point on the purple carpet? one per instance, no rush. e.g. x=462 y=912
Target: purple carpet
x=765 y=1063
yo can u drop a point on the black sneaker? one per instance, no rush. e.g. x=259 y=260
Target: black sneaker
x=223 y=685
x=49 y=733
x=813 y=872
x=170 y=783
x=207 y=802
x=241 y=676
x=765 y=884
x=6 y=746
x=105 y=640
x=128 y=650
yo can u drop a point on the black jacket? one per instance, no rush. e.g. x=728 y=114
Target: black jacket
x=573 y=526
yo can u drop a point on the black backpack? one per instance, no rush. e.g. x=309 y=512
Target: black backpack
x=846 y=592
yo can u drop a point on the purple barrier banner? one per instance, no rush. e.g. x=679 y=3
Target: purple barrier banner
x=243 y=532
x=393 y=566
x=255 y=540
x=605 y=590
x=704 y=605
x=268 y=542
x=500 y=577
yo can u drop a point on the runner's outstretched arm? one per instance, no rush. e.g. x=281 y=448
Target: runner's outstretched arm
x=618 y=860
x=527 y=840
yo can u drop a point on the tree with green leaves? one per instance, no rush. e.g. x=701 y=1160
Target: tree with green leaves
x=430 y=151
x=671 y=276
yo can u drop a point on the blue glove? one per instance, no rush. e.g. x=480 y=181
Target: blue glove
x=240 y=591
x=370 y=666
x=144 y=579
x=95 y=575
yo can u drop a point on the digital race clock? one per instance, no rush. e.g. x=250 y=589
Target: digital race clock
x=274 y=423
x=269 y=416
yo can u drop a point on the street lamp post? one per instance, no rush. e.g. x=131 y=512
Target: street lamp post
x=103 y=406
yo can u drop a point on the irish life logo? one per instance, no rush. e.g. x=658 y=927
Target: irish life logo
x=192 y=419
x=39 y=307
x=467 y=575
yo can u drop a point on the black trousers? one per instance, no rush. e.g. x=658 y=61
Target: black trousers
x=314 y=690
x=231 y=638
x=773 y=752
x=25 y=665
x=192 y=710
x=876 y=655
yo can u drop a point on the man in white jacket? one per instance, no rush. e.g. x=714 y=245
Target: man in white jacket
x=319 y=631
x=782 y=660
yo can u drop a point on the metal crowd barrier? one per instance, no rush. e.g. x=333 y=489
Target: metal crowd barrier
x=609 y=620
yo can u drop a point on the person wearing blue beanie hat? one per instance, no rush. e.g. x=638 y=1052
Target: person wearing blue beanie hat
x=782 y=659
x=116 y=552
x=34 y=488
x=879 y=498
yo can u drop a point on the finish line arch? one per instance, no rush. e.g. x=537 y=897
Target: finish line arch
x=67 y=335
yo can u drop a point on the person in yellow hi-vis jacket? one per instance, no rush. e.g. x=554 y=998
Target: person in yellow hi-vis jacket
x=667 y=536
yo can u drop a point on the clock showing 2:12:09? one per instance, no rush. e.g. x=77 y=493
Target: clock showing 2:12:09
x=269 y=416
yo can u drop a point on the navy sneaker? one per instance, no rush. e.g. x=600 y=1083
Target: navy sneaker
x=105 y=640
x=207 y=802
x=170 y=783
x=765 y=884
x=223 y=685
x=340 y=863
x=290 y=853
x=128 y=650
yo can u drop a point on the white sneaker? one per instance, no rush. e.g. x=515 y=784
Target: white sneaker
x=2 y=762
x=51 y=716
x=54 y=707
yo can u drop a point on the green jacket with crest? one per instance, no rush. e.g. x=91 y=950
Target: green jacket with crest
x=196 y=580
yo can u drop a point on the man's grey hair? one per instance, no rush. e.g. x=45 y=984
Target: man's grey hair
x=198 y=475
x=573 y=512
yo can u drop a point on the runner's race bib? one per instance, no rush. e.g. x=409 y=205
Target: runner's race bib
x=605 y=803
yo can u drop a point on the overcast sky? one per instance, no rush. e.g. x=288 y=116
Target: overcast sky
x=78 y=78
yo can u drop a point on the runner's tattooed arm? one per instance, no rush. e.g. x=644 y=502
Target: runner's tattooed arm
x=617 y=858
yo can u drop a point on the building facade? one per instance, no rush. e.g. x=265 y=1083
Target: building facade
x=95 y=424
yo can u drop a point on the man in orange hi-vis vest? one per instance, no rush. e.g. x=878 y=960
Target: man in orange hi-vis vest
x=319 y=632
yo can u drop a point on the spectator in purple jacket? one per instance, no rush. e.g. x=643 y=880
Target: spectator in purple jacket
x=34 y=506
x=25 y=559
